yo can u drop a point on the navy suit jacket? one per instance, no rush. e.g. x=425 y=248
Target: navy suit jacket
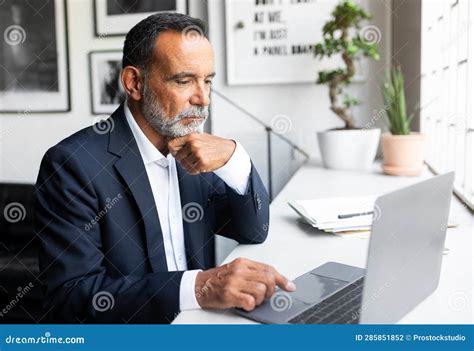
x=102 y=258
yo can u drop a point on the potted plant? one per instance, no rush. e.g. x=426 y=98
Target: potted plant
x=348 y=147
x=402 y=149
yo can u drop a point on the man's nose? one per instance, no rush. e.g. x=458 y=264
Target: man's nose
x=201 y=95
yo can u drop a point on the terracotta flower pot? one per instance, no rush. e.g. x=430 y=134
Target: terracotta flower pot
x=402 y=154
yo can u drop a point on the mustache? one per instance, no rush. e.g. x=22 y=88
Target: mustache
x=195 y=111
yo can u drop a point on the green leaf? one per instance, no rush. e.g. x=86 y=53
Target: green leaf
x=341 y=37
x=393 y=91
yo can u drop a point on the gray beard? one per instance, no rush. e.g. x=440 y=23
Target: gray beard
x=171 y=127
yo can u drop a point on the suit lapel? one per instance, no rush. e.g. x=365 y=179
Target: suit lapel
x=130 y=166
x=193 y=205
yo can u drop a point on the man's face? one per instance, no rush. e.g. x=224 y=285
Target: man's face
x=175 y=97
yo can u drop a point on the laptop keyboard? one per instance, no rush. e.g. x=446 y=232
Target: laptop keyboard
x=342 y=307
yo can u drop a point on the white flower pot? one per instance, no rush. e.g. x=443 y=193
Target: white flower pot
x=348 y=149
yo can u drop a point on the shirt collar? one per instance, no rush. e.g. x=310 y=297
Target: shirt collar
x=148 y=151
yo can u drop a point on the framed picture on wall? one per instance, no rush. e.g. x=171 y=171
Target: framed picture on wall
x=106 y=88
x=117 y=17
x=271 y=42
x=34 y=56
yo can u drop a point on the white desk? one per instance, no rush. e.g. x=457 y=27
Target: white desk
x=294 y=248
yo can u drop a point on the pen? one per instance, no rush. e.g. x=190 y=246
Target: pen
x=349 y=215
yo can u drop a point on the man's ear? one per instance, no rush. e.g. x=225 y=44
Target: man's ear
x=132 y=82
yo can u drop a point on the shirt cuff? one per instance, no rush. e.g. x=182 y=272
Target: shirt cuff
x=187 y=295
x=236 y=172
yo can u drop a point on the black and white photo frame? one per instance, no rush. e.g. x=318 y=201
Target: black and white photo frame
x=117 y=17
x=34 y=60
x=107 y=92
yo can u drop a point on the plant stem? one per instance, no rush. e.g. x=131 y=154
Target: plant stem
x=343 y=112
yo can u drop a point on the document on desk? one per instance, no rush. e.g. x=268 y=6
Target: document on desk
x=337 y=214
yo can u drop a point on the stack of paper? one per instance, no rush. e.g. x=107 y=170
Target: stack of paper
x=339 y=214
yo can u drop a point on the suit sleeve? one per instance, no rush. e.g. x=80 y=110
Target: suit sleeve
x=244 y=218
x=77 y=287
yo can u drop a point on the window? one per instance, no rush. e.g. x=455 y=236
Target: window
x=447 y=90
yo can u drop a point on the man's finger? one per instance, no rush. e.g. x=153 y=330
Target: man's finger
x=255 y=288
x=262 y=277
x=177 y=143
x=175 y=149
x=187 y=159
x=190 y=157
x=284 y=283
x=181 y=153
x=280 y=280
x=245 y=301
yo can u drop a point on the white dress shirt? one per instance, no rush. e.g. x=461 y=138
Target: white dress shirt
x=163 y=178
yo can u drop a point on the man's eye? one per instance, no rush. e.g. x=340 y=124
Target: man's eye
x=209 y=82
x=182 y=82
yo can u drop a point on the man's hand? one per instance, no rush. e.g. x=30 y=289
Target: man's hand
x=201 y=152
x=242 y=283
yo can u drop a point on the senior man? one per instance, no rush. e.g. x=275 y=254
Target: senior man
x=127 y=209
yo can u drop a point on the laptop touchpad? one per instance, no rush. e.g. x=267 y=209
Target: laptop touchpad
x=312 y=288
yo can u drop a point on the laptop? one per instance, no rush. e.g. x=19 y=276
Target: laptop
x=403 y=266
